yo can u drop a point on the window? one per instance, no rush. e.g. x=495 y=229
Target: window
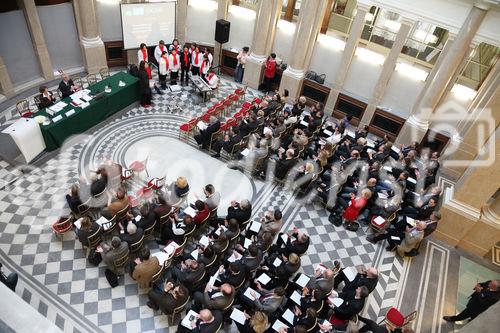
x=381 y=27
x=250 y=4
x=341 y=16
x=425 y=42
x=290 y=10
x=478 y=66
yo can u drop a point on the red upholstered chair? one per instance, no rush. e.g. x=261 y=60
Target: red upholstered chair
x=232 y=122
x=156 y=183
x=395 y=318
x=241 y=93
x=205 y=118
x=188 y=128
x=235 y=99
x=62 y=226
x=23 y=107
x=144 y=193
x=378 y=223
x=246 y=105
x=257 y=100
x=139 y=166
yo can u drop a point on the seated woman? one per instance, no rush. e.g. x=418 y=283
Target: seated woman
x=98 y=181
x=163 y=208
x=148 y=217
x=46 y=98
x=203 y=211
x=166 y=300
x=87 y=228
x=179 y=189
x=73 y=199
x=175 y=229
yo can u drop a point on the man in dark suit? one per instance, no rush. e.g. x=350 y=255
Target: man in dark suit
x=133 y=234
x=284 y=165
x=269 y=301
x=297 y=242
x=167 y=300
x=352 y=305
x=252 y=260
x=117 y=250
x=230 y=139
x=248 y=125
x=207 y=322
x=205 y=135
x=485 y=295
x=241 y=211
x=188 y=272
x=367 y=278
x=215 y=298
x=66 y=86
x=233 y=275
x=148 y=217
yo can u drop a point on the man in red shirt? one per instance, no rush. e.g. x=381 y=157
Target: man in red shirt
x=269 y=72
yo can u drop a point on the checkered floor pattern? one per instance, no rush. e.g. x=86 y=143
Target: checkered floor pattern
x=55 y=277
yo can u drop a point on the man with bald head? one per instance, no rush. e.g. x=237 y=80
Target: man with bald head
x=485 y=295
x=413 y=237
x=364 y=277
x=215 y=298
x=323 y=282
x=206 y=322
x=66 y=86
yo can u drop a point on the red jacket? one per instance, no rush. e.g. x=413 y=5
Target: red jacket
x=270 y=70
x=351 y=213
x=201 y=215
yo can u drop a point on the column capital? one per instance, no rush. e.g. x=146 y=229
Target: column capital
x=483 y=4
x=295 y=73
x=257 y=57
x=92 y=42
x=408 y=21
x=365 y=6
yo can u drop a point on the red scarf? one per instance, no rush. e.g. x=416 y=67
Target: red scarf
x=210 y=76
x=201 y=68
x=166 y=60
x=186 y=57
x=174 y=55
x=162 y=47
x=144 y=54
x=196 y=58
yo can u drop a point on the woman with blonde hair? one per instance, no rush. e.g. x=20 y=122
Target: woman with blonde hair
x=256 y=324
x=181 y=186
x=356 y=205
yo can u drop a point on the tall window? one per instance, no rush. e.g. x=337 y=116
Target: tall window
x=341 y=16
x=250 y=4
x=425 y=42
x=381 y=27
x=290 y=10
x=478 y=66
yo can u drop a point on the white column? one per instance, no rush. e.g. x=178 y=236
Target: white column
x=350 y=47
x=387 y=70
x=181 y=21
x=310 y=20
x=5 y=83
x=267 y=17
x=91 y=43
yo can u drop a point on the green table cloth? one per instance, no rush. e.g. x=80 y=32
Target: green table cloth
x=54 y=134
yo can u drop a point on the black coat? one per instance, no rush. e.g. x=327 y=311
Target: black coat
x=65 y=88
x=144 y=82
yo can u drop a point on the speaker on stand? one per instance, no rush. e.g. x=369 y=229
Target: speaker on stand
x=222 y=29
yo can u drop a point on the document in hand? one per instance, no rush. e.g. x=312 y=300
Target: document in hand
x=248 y=295
x=264 y=278
x=288 y=316
x=238 y=316
x=190 y=318
x=278 y=325
x=302 y=280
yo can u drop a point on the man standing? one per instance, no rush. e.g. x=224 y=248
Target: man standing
x=185 y=64
x=412 y=238
x=159 y=49
x=174 y=65
x=163 y=70
x=485 y=295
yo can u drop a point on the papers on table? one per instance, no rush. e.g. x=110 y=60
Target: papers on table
x=350 y=273
x=246 y=243
x=255 y=226
x=102 y=220
x=121 y=84
x=249 y=295
x=277 y=262
x=78 y=223
x=264 y=278
x=86 y=98
x=303 y=280
x=410 y=221
x=70 y=112
x=76 y=102
x=84 y=105
x=57 y=118
x=296 y=297
x=189 y=319
x=278 y=325
x=327 y=132
x=337 y=301
x=190 y=211
x=202 y=125
x=204 y=241
x=245 y=152
x=288 y=316
x=379 y=220
x=238 y=316
x=170 y=248
x=162 y=257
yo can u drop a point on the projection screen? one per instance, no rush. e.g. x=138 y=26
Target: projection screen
x=147 y=23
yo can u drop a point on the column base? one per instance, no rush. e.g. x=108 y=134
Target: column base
x=414 y=129
x=94 y=56
x=254 y=69
x=367 y=115
x=292 y=80
x=332 y=100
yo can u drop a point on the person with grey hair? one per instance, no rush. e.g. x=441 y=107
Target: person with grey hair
x=133 y=234
x=205 y=136
x=240 y=211
x=66 y=86
x=110 y=254
x=413 y=237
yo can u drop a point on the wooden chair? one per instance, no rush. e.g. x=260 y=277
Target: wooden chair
x=62 y=226
x=95 y=239
x=91 y=79
x=23 y=108
x=109 y=227
x=77 y=82
x=84 y=208
x=188 y=128
x=104 y=72
x=59 y=93
x=137 y=246
x=177 y=310
x=196 y=284
x=122 y=261
x=120 y=215
x=149 y=231
x=158 y=275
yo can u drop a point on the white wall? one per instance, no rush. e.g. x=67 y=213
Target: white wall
x=16 y=48
x=401 y=94
x=326 y=58
x=110 y=23
x=201 y=25
x=361 y=79
x=283 y=40
x=59 y=29
x=242 y=23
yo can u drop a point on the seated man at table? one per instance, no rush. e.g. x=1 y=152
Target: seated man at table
x=133 y=234
x=66 y=86
x=148 y=217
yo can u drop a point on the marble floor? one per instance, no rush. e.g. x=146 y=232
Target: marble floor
x=59 y=283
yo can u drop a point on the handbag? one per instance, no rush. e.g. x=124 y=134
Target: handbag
x=94 y=257
x=111 y=277
x=352 y=226
x=311 y=75
x=320 y=78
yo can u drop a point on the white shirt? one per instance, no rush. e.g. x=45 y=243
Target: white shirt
x=140 y=57
x=242 y=58
x=213 y=80
x=158 y=52
x=193 y=58
x=206 y=67
x=174 y=68
x=163 y=66
x=210 y=59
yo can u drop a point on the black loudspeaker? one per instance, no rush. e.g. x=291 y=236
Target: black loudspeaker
x=222 y=28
